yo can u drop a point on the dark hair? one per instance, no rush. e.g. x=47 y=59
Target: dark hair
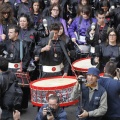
x=63 y=35
x=54 y=26
x=104 y=3
x=5 y=7
x=110 y=68
x=3 y=64
x=86 y=9
x=17 y=29
x=100 y=12
x=81 y=2
x=28 y=19
x=34 y=1
x=117 y=39
x=55 y=5
x=54 y=97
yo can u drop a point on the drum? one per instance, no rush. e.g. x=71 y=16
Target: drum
x=23 y=79
x=41 y=89
x=82 y=65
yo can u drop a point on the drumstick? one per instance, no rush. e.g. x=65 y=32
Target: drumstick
x=78 y=46
x=50 y=37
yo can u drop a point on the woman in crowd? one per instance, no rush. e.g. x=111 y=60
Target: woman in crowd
x=65 y=38
x=27 y=33
x=36 y=13
x=110 y=50
x=37 y=19
x=79 y=27
x=55 y=17
x=6 y=18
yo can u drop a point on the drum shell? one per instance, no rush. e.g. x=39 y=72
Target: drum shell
x=23 y=79
x=39 y=95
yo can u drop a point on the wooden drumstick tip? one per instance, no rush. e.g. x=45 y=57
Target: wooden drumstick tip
x=78 y=46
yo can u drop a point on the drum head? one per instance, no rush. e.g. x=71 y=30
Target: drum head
x=82 y=65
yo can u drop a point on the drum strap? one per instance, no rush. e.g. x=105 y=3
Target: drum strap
x=80 y=20
x=66 y=55
x=65 y=52
x=79 y=28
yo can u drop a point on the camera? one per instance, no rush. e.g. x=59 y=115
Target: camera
x=81 y=79
x=49 y=110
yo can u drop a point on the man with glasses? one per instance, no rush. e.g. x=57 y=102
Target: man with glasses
x=51 y=111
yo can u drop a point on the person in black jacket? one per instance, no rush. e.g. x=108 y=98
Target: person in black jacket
x=97 y=33
x=14 y=56
x=51 y=54
x=7 y=114
x=110 y=50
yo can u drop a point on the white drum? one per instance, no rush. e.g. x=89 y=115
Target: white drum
x=82 y=65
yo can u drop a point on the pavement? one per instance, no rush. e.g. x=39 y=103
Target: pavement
x=31 y=112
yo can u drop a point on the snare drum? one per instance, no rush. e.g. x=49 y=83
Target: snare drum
x=41 y=89
x=82 y=65
x=23 y=78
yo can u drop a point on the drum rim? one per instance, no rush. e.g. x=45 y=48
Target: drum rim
x=61 y=104
x=52 y=88
x=80 y=69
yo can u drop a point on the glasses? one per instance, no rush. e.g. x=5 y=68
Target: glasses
x=112 y=35
x=5 y=12
x=55 y=9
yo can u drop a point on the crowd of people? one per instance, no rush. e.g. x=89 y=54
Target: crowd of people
x=44 y=37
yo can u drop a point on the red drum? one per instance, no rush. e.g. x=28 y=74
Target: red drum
x=41 y=89
x=23 y=79
x=82 y=65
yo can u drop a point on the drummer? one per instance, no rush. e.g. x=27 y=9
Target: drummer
x=94 y=97
x=12 y=53
x=51 y=52
x=12 y=50
x=52 y=111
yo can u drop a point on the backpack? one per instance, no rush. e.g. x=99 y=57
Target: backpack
x=12 y=97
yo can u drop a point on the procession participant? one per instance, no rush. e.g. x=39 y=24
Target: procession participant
x=108 y=50
x=12 y=53
x=51 y=54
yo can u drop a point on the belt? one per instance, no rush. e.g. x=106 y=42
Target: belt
x=14 y=65
x=52 y=69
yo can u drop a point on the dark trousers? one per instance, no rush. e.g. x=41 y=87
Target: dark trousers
x=6 y=115
x=25 y=99
x=111 y=118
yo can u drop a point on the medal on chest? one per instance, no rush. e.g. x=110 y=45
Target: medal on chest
x=54 y=47
x=55 y=55
x=11 y=55
x=99 y=41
